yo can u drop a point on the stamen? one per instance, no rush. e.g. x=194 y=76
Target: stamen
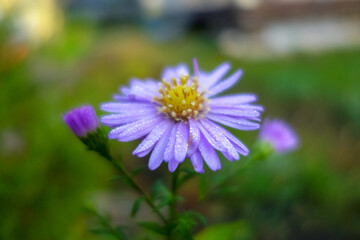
x=181 y=102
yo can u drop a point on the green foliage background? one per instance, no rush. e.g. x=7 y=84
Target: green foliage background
x=47 y=176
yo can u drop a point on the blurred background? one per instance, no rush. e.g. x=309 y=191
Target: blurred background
x=302 y=58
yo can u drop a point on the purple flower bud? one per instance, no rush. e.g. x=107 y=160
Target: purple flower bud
x=280 y=135
x=82 y=120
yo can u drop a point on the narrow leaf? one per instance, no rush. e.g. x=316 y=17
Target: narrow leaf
x=136 y=206
x=153 y=227
x=137 y=170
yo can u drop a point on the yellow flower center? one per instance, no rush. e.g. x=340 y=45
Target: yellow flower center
x=181 y=102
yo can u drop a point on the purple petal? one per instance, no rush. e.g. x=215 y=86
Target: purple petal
x=88 y=118
x=175 y=72
x=209 y=155
x=197 y=162
x=216 y=143
x=228 y=156
x=280 y=135
x=141 y=90
x=218 y=135
x=172 y=165
x=169 y=151
x=134 y=130
x=239 y=146
x=233 y=99
x=73 y=121
x=194 y=136
x=240 y=124
x=126 y=99
x=234 y=111
x=226 y=84
x=127 y=107
x=153 y=137
x=196 y=67
x=127 y=117
x=82 y=120
x=121 y=98
x=215 y=76
x=181 y=142
x=157 y=155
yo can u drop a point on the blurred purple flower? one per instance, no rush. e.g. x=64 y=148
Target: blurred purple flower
x=177 y=117
x=82 y=120
x=279 y=134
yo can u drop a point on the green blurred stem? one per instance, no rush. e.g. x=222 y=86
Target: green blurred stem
x=220 y=184
x=261 y=152
x=174 y=188
x=107 y=224
x=120 y=167
x=172 y=206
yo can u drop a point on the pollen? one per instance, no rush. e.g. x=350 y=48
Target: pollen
x=181 y=101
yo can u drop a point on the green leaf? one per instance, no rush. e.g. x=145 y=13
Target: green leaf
x=161 y=194
x=136 y=206
x=184 y=225
x=137 y=170
x=153 y=227
x=238 y=230
x=201 y=218
x=116 y=178
x=120 y=230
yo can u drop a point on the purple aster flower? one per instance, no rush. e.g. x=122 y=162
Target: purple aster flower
x=82 y=120
x=178 y=117
x=279 y=134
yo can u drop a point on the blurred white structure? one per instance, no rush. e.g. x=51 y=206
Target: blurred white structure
x=281 y=38
x=280 y=27
x=34 y=21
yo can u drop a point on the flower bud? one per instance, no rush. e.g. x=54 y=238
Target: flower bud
x=279 y=135
x=84 y=122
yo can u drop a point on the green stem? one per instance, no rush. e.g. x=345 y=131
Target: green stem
x=120 y=167
x=172 y=207
x=174 y=188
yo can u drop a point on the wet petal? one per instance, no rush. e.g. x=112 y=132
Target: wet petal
x=175 y=72
x=181 y=142
x=226 y=84
x=216 y=143
x=236 y=112
x=218 y=135
x=239 y=146
x=126 y=117
x=238 y=123
x=194 y=137
x=157 y=155
x=169 y=151
x=209 y=155
x=151 y=139
x=141 y=90
x=233 y=99
x=118 y=107
x=215 y=76
x=172 y=165
x=134 y=130
x=197 y=162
